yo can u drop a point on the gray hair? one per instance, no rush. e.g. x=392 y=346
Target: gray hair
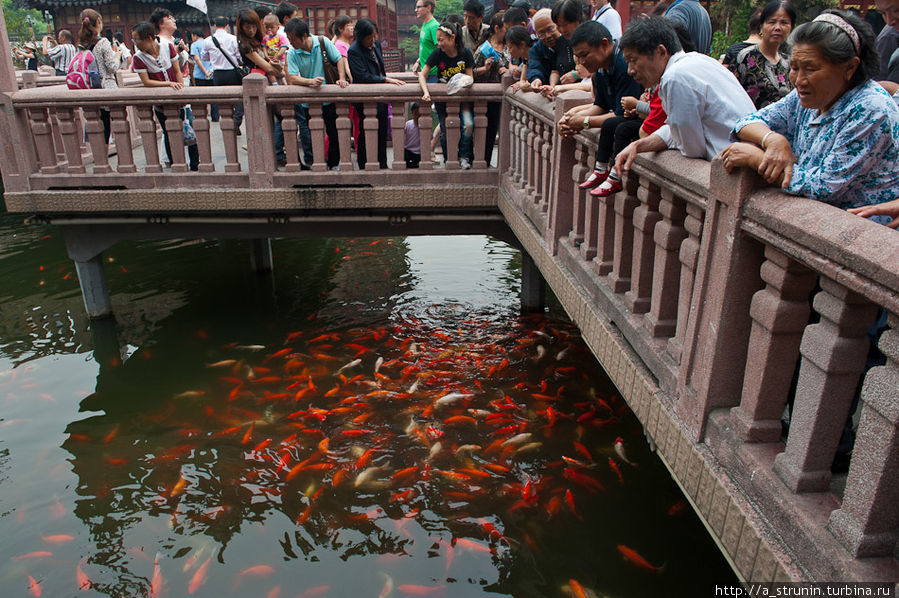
x=836 y=46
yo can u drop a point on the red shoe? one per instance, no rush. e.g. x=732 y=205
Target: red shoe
x=611 y=187
x=595 y=178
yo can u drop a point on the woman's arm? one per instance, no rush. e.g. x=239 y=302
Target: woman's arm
x=261 y=63
x=776 y=166
x=423 y=82
x=148 y=82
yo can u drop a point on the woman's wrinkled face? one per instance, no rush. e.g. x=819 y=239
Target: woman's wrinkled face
x=777 y=27
x=818 y=82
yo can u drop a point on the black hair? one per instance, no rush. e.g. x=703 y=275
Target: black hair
x=341 y=22
x=413 y=107
x=120 y=37
x=836 y=46
x=221 y=21
x=570 y=10
x=519 y=35
x=158 y=15
x=772 y=7
x=683 y=35
x=198 y=32
x=456 y=19
x=645 y=35
x=285 y=10
x=755 y=22
x=263 y=11
x=365 y=27
x=591 y=33
x=496 y=21
x=457 y=33
x=297 y=27
x=143 y=30
x=515 y=14
x=474 y=7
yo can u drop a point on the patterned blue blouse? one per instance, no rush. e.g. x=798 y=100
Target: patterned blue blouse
x=848 y=156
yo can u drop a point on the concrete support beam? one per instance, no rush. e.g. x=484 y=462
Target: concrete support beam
x=261 y=255
x=533 y=285
x=94 y=291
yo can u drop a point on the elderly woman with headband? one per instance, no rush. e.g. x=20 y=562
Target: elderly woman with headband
x=833 y=138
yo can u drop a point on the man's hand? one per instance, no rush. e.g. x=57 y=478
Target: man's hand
x=316 y=82
x=626 y=157
x=568 y=78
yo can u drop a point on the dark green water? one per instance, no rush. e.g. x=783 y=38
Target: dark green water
x=208 y=437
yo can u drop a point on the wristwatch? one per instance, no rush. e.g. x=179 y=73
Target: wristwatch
x=586 y=122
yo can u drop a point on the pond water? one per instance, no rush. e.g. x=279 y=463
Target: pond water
x=375 y=418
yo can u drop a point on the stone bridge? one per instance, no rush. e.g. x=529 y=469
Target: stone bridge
x=711 y=301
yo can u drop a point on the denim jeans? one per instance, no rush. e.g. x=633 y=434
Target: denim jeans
x=279 y=138
x=466 y=114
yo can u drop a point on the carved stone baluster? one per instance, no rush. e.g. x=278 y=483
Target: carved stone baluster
x=289 y=127
x=121 y=131
x=524 y=153
x=833 y=357
x=146 y=124
x=530 y=152
x=645 y=218
x=868 y=520
x=547 y=172
x=604 y=262
x=779 y=313
x=70 y=129
x=398 y=134
x=344 y=133
x=689 y=254
x=57 y=138
x=229 y=137
x=43 y=140
x=625 y=204
x=669 y=234
x=204 y=143
x=93 y=126
x=515 y=140
x=371 y=136
x=580 y=222
x=425 y=122
x=317 y=133
x=453 y=134
x=176 y=137
x=480 y=134
x=535 y=145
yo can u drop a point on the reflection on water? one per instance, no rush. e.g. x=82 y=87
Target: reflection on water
x=377 y=420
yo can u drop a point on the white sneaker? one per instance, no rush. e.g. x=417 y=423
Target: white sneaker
x=464 y=164
x=335 y=168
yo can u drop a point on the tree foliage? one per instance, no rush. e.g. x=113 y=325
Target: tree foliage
x=17 y=23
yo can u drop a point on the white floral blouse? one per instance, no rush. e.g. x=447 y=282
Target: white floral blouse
x=847 y=156
x=107 y=63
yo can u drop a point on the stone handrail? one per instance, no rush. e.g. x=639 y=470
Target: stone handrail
x=49 y=134
x=709 y=279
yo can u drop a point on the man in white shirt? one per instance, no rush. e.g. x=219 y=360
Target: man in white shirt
x=604 y=13
x=224 y=61
x=60 y=53
x=703 y=100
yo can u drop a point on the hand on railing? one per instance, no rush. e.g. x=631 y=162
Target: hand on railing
x=740 y=154
x=393 y=81
x=889 y=208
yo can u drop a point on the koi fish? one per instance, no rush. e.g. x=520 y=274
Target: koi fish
x=617 y=471
x=677 y=507
x=619 y=450
x=451 y=398
x=366 y=476
x=387 y=588
x=224 y=363
x=188 y=394
x=569 y=500
x=316 y=591
x=414 y=590
x=199 y=578
x=634 y=558
x=58 y=539
x=378 y=363
x=349 y=365
x=38 y=554
x=250 y=347
x=34 y=587
x=83 y=582
x=156 y=581
x=518 y=439
x=577 y=590
x=256 y=571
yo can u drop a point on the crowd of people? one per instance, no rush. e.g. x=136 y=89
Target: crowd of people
x=812 y=106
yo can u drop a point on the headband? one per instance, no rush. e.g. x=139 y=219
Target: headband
x=446 y=30
x=843 y=24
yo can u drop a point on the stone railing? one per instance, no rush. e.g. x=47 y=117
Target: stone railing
x=52 y=122
x=723 y=289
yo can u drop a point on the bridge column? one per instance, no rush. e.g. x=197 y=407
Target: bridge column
x=533 y=286
x=94 y=291
x=868 y=519
x=833 y=356
x=261 y=255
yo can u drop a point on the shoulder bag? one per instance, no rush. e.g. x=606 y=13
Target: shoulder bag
x=242 y=70
x=331 y=72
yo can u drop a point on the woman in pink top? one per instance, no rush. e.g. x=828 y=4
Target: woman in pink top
x=344 y=28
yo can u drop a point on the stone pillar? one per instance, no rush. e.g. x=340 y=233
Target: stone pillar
x=688 y=256
x=867 y=521
x=669 y=234
x=583 y=231
x=261 y=255
x=504 y=147
x=533 y=286
x=833 y=357
x=121 y=133
x=344 y=132
x=93 y=127
x=646 y=216
x=260 y=132
x=779 y=315
x=559 y=161
x=204 y=143
x=107 y=348
x=480 y=134
x=625 y=204
x=94 y=291
x=146 y=124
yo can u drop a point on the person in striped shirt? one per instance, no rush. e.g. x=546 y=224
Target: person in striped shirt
x=61 y=52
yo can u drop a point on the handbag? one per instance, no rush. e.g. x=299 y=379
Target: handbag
x=331 y=72
x=242 y=70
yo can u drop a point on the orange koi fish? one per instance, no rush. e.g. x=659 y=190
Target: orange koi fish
x=156 y=581
x=677 y=507
x=577 y=590
x=617 y=471
x=38 y=554
x=58 y=539
x=634 y=558
x=569 y=500
x=249 y=434
x=582 y=450
x=316 y=591
x=33 y=587
x=365 y=458
x=583 y=480
x=199 y=578
x=414 y=590
x=83 y=582
x=256 y=571
x=403 y=473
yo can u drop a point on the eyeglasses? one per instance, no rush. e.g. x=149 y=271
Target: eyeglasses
x=417 y=6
